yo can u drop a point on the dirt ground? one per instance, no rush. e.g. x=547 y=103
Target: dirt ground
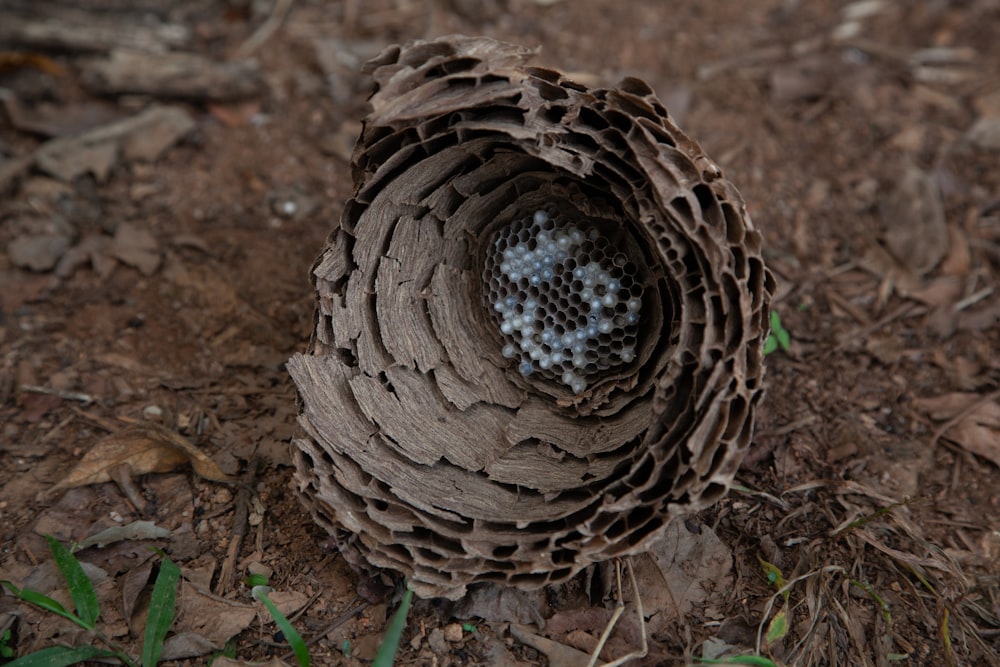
x=158 y=233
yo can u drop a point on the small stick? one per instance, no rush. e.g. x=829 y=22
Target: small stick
x=619 y=609
x=279 y=11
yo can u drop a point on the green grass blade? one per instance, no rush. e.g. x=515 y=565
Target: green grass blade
x=778 y=627
x=161 y=612
x=80 y=588
x=292 y=635
x=390 y=643
x=60 y=656
x=43 y=601
x=748 y=660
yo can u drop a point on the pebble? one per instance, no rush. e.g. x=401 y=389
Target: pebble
x=38 y=253
x=985 y=133
x=453 y=632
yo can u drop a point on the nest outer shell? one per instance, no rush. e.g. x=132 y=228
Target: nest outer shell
x=424 y=450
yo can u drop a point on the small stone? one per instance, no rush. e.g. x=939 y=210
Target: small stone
x=453 y=632
x=257 y=567
x=985 y=133
x=436 y=641
x=222 y=497
x=152 y=412
x=38 y=253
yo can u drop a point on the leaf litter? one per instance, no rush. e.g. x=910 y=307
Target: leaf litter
x=145 y=449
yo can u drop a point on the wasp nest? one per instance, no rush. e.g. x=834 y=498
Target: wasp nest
x=539 y=326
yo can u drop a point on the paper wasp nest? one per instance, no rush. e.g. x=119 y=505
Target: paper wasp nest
x=539 y=325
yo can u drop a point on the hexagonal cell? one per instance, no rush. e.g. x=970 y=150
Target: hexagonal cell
x=566 y=301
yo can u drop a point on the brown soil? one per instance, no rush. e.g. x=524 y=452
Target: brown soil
x=867 y=150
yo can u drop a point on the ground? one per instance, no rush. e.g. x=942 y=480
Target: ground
x=154 y=283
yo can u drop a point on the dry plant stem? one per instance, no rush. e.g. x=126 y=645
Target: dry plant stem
x=279 y=11
x=619 y=610
x=780 y=592
x=339 y=621
x=86 y=399
x=241 y=515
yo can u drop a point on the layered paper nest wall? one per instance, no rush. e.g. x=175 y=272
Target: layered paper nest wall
x=423 y=443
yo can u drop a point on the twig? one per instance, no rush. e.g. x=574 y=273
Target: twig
x=241 y=522
x=619 y=610
x=279 y=12
x=86 y=399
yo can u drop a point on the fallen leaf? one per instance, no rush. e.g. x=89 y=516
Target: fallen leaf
x=137 y=530
x=684 y=569
x=136 y=247
x=135 y=585
x=211 y=618
x=500 y=604
x=223 y=661
x=147 y=449
x=144 y=136
x=913 y=212
x=978 y=430
x=559 y=655
x=288 y=602
x=187 y=645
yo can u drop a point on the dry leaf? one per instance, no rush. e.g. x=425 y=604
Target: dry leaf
x=978 y=431
x=559 y=655
x=916 y=231
x=210 y=617
x=137 y=530
x=146 y=449
x=223 y=661
x=685 y=570
x=288 y=602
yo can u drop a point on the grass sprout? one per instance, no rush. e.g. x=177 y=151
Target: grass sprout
x=260 y=591
x=779 y=338
x=87 y=611
x=386 y=655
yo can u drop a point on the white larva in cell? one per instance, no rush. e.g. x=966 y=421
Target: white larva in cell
x=578 y=274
